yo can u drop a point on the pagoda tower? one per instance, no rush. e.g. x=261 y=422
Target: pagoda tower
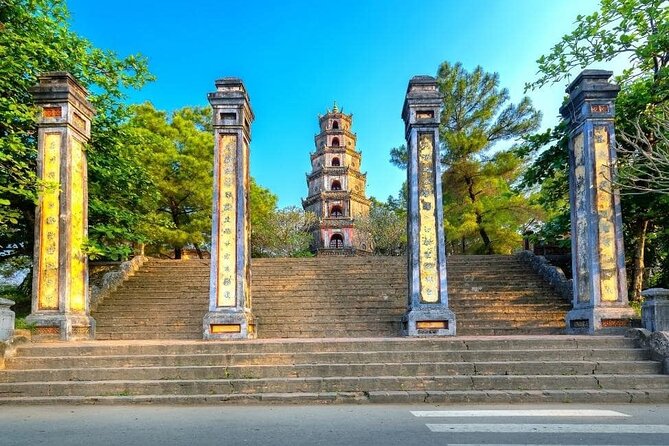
x=337 y=188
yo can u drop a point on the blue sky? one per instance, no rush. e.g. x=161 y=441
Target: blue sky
x=297 y=57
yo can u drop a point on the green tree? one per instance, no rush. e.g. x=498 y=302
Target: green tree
x=35 y=37
x=479 y=199
x=175 y=152
x=286 y=234
x=638 y=29
x=387 y=226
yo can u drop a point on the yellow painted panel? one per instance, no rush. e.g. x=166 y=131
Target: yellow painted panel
x=427 y=221
x=49 y=203
x=227 y=222
x=607 y=236
x=225 y=328
x=77 y=230
x=432 y=325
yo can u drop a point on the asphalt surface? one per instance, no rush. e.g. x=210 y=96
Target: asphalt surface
x=369 y=425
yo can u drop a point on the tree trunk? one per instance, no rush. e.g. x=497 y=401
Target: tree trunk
x=177 y=253
x=638 y=265
x=487 y=244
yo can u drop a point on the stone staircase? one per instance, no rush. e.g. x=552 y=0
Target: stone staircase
x=332 y=297
x=501 y=369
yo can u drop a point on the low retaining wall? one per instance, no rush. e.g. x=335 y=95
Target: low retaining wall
x=8 y=347
x=657 y=342
x=550 y=273
x=113 y=279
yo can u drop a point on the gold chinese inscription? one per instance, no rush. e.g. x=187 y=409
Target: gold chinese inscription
x=227 y=221
x=427 y=221
x=49 y=205
x=77 y=229
x=581 y=219
x=607 y=236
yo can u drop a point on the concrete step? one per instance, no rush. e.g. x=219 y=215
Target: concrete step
x=608 y=356
x=505 y=343
x=334 y=384
x=348 y=369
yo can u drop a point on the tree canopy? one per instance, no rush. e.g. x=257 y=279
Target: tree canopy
x=35 y=37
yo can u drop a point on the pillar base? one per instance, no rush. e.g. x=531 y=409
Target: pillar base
x=423 y=321
x=601 y=320
x=229 y=324
x=63 y=327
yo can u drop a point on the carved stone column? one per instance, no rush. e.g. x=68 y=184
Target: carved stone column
x=60 y=302
x=229 y=315
x=428 y=312
x=598 y=257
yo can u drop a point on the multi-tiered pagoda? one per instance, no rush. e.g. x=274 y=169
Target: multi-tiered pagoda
x=337 y=188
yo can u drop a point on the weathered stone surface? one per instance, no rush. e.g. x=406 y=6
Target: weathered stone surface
x=60 y=301
x=410 y=370
x=229 y=314
x=598 y=258
x=7 y=317
x=428 y=313
x=552 y=274
x=113 y=279
x=655 y=309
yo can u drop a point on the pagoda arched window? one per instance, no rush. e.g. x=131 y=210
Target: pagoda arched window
x=337 y=241
x=336 y=211
x=336 y=162
x=335 y=142
x=335 y=125
x=336 y=185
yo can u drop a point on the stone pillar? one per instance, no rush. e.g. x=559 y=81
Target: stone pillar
x=229 y=315
x=655 y=309
x=7 y=319
x=598 y=258
x=60 y=301
x=428 y=312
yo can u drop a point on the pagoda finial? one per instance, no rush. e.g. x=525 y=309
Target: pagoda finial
x=335 y=107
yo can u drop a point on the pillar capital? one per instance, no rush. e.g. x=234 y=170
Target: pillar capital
x=232 y=106
x=63 y=101
x=422 y=104
x=591 y=96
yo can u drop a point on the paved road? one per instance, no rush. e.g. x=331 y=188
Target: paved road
x=371 y=425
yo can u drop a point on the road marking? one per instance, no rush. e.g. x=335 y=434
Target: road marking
x=518 y=413
x=552 y=428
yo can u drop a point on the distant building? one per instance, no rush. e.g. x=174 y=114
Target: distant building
x=337 y=188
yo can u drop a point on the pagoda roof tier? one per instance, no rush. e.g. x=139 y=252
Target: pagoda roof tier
x=335 y=195
x=335 y=149
x=329 y=170
x=348 y=133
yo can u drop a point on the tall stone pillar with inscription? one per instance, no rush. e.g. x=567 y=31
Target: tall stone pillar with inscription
x=229 y=315
x=428 y=312
x=60 y=301
x=598 y=258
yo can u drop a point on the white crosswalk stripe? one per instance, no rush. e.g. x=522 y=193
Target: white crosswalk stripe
x=552 y=428
x=518 y=413
x=606 y=427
